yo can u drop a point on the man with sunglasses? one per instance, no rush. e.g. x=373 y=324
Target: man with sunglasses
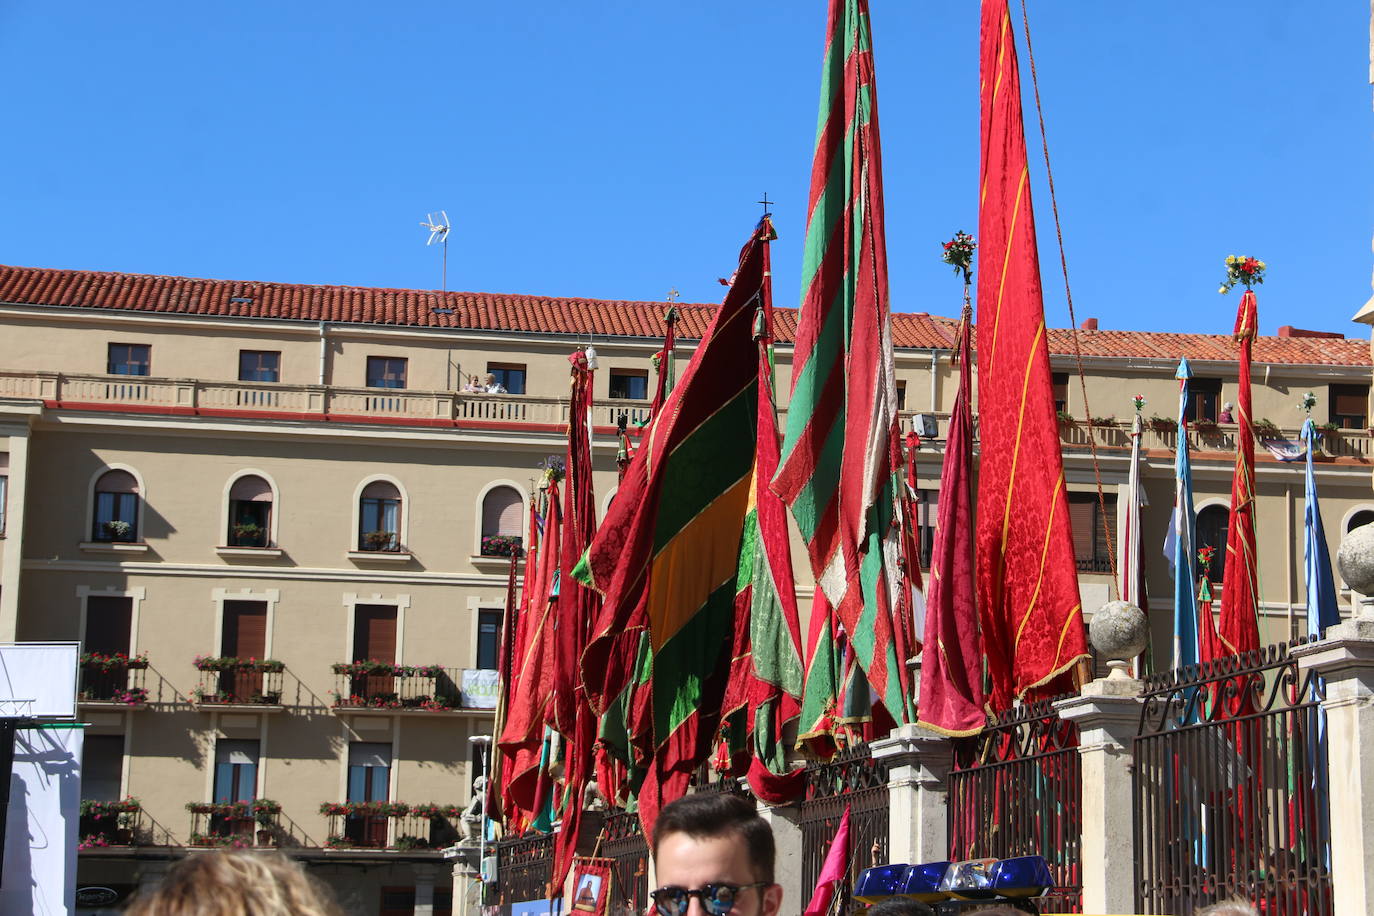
x=713 y=855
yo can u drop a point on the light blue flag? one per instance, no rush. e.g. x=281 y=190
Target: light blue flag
x=1182 y=536
x=1322 y=612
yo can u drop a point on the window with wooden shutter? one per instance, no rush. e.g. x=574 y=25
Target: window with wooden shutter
x=374 y=633
x=245 y=629
x=1091 y=530
x=1350 y=406
x=102 y=767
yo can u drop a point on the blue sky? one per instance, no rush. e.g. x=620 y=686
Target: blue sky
x=616 y=149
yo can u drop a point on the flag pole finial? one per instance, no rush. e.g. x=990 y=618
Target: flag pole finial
x=766 y=203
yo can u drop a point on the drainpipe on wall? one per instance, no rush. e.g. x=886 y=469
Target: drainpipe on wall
x=934 y=380
x=324 y=352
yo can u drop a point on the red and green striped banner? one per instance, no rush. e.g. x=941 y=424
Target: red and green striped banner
x=666 y=557
x=837 y=471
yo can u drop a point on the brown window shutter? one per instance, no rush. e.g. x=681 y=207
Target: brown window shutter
x=374 y=633
x=109 y=624
x=1082 y=513
x=245 y=629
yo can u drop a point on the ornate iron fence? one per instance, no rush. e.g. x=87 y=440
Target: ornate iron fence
x=524 y=867
x=623 y=840
x=1015 y=790
x=854 y=780
x=1230 y=787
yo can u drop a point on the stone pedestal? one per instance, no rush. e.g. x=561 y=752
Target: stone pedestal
x=787 y=863
x=1108 y=714
x=918 y=763
x=1345 y=658
x=466 y=889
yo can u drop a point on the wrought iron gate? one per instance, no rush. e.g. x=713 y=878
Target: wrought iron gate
x=1016 y=790
x=854 y=780
x=623 y=840
x=1231 y=787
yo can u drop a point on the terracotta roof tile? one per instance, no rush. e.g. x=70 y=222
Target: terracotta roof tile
x=547 y=314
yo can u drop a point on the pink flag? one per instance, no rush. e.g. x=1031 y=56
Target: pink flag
x=834 y=870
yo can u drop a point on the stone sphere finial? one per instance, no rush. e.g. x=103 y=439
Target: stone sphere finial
x=1356 y=559
x=1120 y=632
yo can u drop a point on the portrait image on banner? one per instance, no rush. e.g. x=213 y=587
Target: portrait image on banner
x=591 y=884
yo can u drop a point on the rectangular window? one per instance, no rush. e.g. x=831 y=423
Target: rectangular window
x=236 y=770
x=374 y=633
x=1350 y=406
x=1204 y=397
x=386 y=372
x=1090 y=530
x=488 y=639
x=630 y=384
x=1060 y=382
x=4 y=499
x=901 y=394
x=927 y=511
x=369 y=779
x=259 y=366
x=508 y=376
x=128 y=359
x=102 y=767
x=379 y=517
x=243 y=634
x=109 y=631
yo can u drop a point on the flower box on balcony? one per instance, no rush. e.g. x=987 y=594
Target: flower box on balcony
x=502 y=545
x=229 y=663
x=379 y=541
x=108 y=823
x=365 y=809
x=262 y=810
x=217 y=840
x=98 y=661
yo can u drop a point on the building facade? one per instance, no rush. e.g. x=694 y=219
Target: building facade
x=281 y=528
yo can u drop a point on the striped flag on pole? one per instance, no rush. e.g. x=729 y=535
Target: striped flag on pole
x=840 y=463
x=1028 y=602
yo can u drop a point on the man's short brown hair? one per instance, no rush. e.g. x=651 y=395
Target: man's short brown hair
x=706 y=815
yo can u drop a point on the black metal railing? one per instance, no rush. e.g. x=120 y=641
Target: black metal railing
x=399 y=687
x=1230 y=790
x=245 y=683
x=1015 y=790
x=855 y=780
x=623 y=840
x=524 y=867
x=114 y=682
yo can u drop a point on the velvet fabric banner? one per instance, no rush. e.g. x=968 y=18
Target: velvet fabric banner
x=1031 y=615
x=1239 y=626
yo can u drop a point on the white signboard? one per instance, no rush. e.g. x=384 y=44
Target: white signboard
x=41 y=827
x=38 y=679
x=478 y=689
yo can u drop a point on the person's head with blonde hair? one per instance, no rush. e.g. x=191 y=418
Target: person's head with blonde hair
x=236 y=883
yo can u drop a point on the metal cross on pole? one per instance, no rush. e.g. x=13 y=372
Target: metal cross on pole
x=766 y=202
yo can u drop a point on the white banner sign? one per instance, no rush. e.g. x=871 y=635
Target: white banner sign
x=40 y=831
x=478 y=688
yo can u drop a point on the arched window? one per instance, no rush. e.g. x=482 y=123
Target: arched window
x=1359 y=520
x=250 y=512
x=502 y=517
x=116 y=507
x=379 y=517
x=1211 y=532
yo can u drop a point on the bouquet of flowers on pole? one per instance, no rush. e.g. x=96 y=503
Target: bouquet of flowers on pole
x=1244 y=270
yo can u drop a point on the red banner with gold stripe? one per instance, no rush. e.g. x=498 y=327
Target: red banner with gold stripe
x=1032 y=619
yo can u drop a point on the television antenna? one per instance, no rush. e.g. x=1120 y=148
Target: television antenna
x=438 y=232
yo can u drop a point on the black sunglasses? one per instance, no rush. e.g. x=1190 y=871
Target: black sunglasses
x=716 y=899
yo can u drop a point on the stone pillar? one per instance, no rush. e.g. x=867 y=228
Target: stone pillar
x=424 y=890
x=787 y=864
x=918 y=762
x=466 y=881
x=1108 y=714
x=1345 y=658
x=11 y=565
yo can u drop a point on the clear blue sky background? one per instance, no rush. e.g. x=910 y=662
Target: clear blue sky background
x=616 y=149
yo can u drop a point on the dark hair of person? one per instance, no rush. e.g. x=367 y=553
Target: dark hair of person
x=900 y=906
x=706 y=815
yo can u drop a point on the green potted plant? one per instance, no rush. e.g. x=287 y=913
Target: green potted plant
x=379 y=540
x=117 y=530
x=249 y=534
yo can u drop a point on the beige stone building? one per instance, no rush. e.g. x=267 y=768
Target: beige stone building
x=199 y=473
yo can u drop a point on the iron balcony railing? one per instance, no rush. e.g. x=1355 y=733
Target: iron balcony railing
x=114 y=679
x=854 y=780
